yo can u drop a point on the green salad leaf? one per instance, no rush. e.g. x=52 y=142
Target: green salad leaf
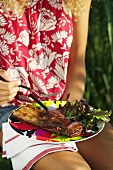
x=83 y=112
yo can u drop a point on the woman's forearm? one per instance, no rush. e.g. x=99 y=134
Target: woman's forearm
x=75 y=81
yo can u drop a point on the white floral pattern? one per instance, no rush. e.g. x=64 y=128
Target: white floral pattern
x=8 y=37
x=2 y=21
x=4 y=49
x=55 y=4
x=48 y=20
x=24 y=38
x=35 y=48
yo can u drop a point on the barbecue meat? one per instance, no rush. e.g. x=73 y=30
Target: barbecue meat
x=51 y=120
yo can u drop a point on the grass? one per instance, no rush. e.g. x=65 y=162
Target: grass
x=5 y=164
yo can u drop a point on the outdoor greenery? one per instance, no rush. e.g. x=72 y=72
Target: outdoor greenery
x=99 y=60
x=5 y=164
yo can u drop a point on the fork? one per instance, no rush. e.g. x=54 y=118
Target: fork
x=33 y=94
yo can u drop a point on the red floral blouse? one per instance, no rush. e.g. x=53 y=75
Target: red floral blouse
x=35 y=48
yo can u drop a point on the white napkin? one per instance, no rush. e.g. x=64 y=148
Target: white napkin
x=24 y=152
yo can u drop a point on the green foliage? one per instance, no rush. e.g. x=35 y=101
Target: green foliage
x=99 y=60
x=5 y=164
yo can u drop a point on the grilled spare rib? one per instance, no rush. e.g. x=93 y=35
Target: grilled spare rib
x=51 y=120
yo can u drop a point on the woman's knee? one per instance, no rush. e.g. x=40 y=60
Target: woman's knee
x=62 y=160
x=77 y=164
x=67 y=166
x=82 y=165
x=101 y=149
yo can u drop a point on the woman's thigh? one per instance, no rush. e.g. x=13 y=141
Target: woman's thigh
x=98 y=151
x=63 y=160
x=5 y=112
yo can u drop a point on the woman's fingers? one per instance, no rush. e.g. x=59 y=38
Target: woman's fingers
x=9 y=92
x=9 y=85
x=8 y=89
x=7 y=98
x=5 y=74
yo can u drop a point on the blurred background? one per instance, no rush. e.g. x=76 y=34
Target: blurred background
x=99 y=60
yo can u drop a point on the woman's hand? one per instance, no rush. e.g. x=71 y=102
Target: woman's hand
x=8 y=89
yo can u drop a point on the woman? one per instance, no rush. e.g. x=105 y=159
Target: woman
x=37 y=50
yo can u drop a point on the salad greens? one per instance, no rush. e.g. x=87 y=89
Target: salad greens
x=83 y=112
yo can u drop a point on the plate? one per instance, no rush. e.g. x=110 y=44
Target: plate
x=35 y=133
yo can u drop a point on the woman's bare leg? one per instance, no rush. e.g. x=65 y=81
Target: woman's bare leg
x=98 y=151
x=63 y=160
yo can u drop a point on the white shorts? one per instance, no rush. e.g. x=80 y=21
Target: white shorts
x=24 y=152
